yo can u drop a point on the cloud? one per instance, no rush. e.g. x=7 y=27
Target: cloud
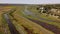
x=30 y=1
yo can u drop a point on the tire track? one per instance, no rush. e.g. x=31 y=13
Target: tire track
x=11 y=26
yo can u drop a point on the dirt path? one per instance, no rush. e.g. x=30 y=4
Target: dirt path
x=11 y=26
x=47 y=26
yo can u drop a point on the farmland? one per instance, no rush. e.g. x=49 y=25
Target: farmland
x=3 y=25
x=25 y=19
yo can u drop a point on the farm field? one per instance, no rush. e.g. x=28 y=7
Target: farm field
x=30 y=25
x=26 y=19
x=3 y=25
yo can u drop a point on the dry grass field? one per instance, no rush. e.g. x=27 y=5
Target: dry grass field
x=3 y=25
x=19 y=18
x=30 y=25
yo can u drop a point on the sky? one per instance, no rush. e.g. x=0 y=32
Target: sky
x=30 y=1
